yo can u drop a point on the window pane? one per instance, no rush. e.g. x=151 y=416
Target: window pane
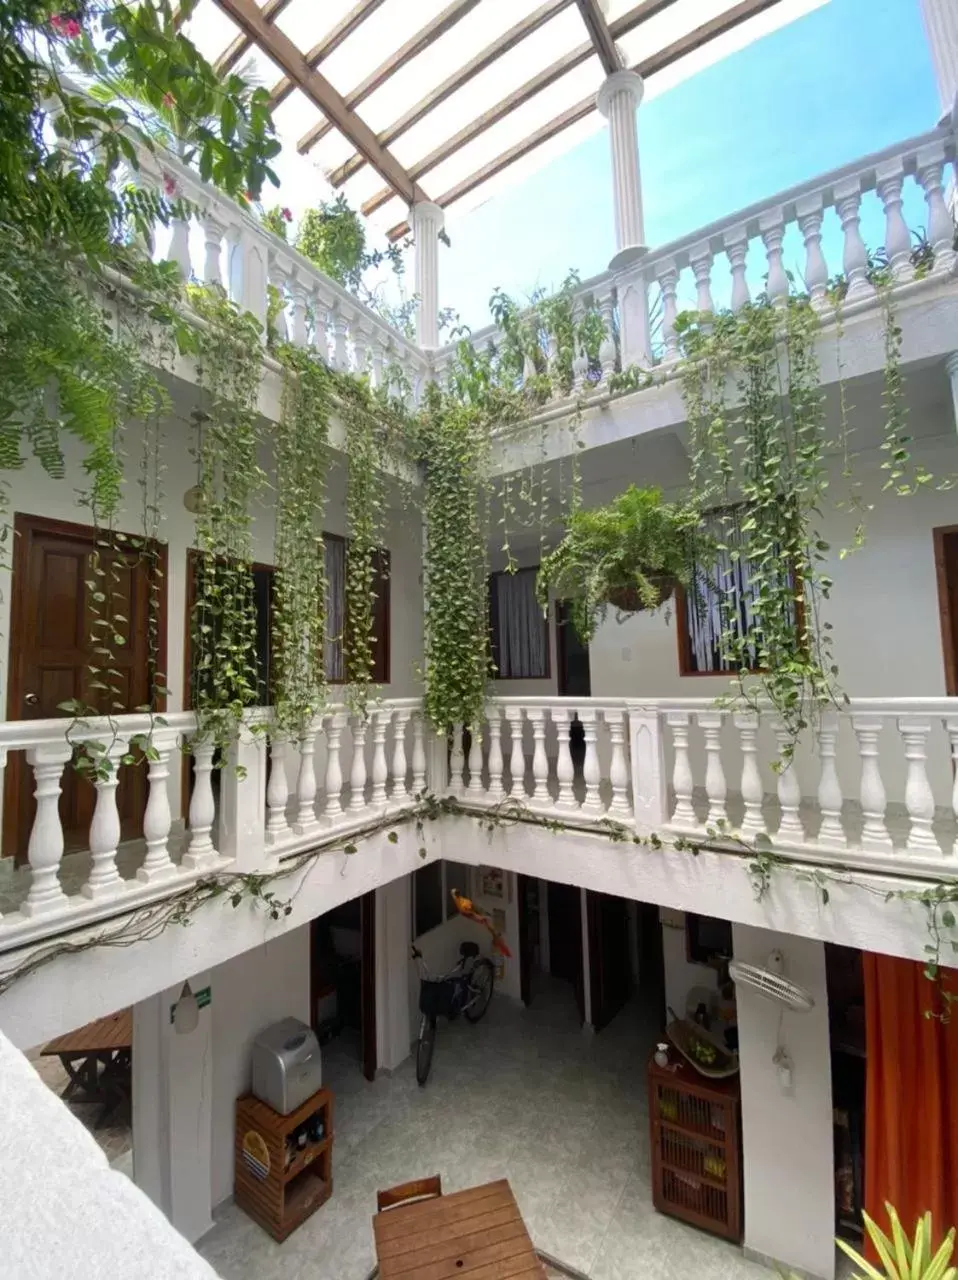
x=427 y=898
x=520 y=633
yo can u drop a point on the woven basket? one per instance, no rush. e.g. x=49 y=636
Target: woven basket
x=628 y=600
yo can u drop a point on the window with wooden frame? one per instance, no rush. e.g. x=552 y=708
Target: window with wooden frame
x=717 y=613
x=519 y=634
x=432 y=887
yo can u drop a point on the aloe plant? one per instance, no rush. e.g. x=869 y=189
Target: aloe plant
x=901 y=1258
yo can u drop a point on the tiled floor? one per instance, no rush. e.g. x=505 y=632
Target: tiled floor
x=525 y=1095
x=115 y=1137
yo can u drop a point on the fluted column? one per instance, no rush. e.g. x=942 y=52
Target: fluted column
x=426 y=220
x=618 y=100
x=951 y=368
x=941 y=29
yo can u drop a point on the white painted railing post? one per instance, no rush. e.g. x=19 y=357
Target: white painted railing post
x=848 y=199
x=873 y=800
x=457 y=761
x=683 y=783
x=475 y=787
x=772 y=230
x=591 y=772
x=202 y=811
x=736 y=247
x=243 y=802
x=716 y=788
x=157 y=819
x=517 y=754
x=380 y=770
x=565 y=769
x=941 y=229
x=789 y=788
x=418 y=753
x=277 y=791
x=299 y=294
x=650 y=800
x=399 y=789
x=104 y=879
x=753 y=792
x=830 y=797
x=357 y=772
x=437 y=760
x=495 y=790
x=890 y=177
x=620 y=806
x=45 y=848
x=668 y=283
x=700 y=259
x=810 y=210
x=213 y=232
x=540 y=761
x=951 y=728
x=919 y=798
x=333 y=807
x=306 y=819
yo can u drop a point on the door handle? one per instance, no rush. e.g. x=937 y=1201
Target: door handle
x=31 y=699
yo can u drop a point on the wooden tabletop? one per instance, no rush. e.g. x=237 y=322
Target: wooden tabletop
x=477 y=1234
x=106 y=1035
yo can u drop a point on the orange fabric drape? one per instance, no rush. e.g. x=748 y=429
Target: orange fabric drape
x=911 y=1100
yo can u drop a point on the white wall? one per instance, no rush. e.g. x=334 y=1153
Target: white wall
x=249 y=993
x=393 y=931
x=787 y=1133
x=681 y=973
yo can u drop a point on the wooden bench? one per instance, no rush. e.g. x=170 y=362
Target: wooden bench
x=107 y=1044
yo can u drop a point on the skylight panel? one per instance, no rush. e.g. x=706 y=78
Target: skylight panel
x=210 y=30
x=387 y=30
x=308 y=22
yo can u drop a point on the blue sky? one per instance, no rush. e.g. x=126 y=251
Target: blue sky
x=845 y=80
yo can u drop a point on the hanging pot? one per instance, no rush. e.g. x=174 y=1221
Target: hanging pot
x=628 y=600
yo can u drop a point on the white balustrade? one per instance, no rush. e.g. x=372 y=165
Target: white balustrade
x=357 y=772
x=951 y=726
x=716 y=789
x=683 y=784
x=104 y=878
x=540 y=761
x=418 y=754
x=736 y=246
x=591 y=773
x=830 y=799
x=700 y=258
x=872 y=792
x=565 y=770
x=200 y=853
x=457 y=761
x=941 y=228
x=621 y=805
x=474 y=762
x=789 y=789
x=753 y=793
x=400 y=789
x=517 y=754
x=772 y=228
x=897 y=238
x=809 y=211
x=495 y=789
x=277 y=791
x=380 y=770
x=919 y=797
x=848 y=198
x=305 y=820
x=333 y=806
x=668 y=281
x=158 y=819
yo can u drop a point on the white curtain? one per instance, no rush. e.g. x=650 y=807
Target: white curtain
x=335 y=607
x=522 y=634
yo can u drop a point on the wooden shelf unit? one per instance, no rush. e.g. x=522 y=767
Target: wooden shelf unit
x=696 y=1148
x=276 y=1194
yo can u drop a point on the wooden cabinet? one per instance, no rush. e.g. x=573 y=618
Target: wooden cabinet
x=277 y=1182
x=696 y=1148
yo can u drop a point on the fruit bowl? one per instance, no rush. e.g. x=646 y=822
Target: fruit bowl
x=702 y=1050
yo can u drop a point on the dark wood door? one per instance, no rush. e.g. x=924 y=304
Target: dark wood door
x=565 y=938
x=610 y=970
x=51 y=649
x=652 y=961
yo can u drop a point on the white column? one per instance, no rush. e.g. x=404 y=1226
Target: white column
x=618 y=100
x=941 y=229
x=890 y=178
x=243 y=803
x=700 y=260
x=848 y=198
x=736 y=247
x=789 y=787
x=393 y=931
x=668 y=282
x=772 y=228
x=941 y=29
x=650 y=793
x=426 y=220
x=305 y=818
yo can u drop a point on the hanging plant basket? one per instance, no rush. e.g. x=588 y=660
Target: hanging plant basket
x=628 y=600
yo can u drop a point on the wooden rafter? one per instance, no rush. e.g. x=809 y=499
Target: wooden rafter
x=574 y=58
x=483 y=59
x=278 y=46
x=422 y=39
x=243 y=43
x=599 y=34
x=330 y=42
x=687 y=44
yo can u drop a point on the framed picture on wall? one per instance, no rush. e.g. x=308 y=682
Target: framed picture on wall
x=492 y=883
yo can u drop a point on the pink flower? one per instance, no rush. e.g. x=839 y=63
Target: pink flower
x=287 y=216
x=68 y=27
x=168 y=100
x=169 y=184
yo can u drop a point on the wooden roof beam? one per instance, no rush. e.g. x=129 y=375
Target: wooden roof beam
x=241 y=46
x=600 y=35
x=278 y=46
x=329 y=44
x=415 y=45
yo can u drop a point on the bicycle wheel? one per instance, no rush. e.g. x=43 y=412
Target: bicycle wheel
x=427 y=1039
x=481 y=981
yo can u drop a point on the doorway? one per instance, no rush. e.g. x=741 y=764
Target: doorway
x=342 y=998
x=946 y=567
x=51 y=653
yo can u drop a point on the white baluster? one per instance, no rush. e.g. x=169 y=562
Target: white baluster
x=213 y=233
x=591 y=773
x=418 y=754
x=682 y=781
x=202 y=810
x=357 y=773
x=279 y=274
x=517 y=755
x=376 y=362
x=897 y=239
x=951 y=727
x=716 y=788
x=457 y=761
x=104 y=878
x=299 y=295
x=540 y=761
x=180 y=247
x=341 y=320
x=334 y=771
x=565 y=769
x=855 y=256
x=919 y=798
x=361 y=349
x=607 y=346
x=874 y=832
x=753 y=793
x=320 y=318
x=789 y=788
x=45 y=848
x=399 y=789
x=736 y=247
x=496 y=791
x=475 y=787
x=941 y=228
x=380 y=772
x=277 y=791
x=668 y=283
x=619 y=776
x=700 y=258
x=830 y=797
x=809 y=211
x=306 y=819
x=157 y=819
x=772 y=230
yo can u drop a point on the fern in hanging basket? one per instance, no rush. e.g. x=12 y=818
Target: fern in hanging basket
x=630 y=555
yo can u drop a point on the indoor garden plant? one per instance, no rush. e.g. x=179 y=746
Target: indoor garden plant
x=630 y=554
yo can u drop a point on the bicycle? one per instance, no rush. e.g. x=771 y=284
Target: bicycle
x=467 y=989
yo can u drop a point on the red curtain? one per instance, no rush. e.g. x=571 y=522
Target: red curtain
x=911 y=1099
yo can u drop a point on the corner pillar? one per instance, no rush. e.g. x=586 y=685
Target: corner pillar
x=940 y=19
x=426 y=220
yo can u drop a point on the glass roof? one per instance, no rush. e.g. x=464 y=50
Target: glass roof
x=449 y=100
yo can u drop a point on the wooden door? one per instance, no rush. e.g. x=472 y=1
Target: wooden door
x=652 y=961
x=51 y=651
x=565 y=938
x=610 y=969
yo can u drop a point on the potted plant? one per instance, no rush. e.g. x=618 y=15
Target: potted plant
x=629 y=554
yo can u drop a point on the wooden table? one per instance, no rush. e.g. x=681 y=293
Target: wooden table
x=106 y=1043
x=477 y=1234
